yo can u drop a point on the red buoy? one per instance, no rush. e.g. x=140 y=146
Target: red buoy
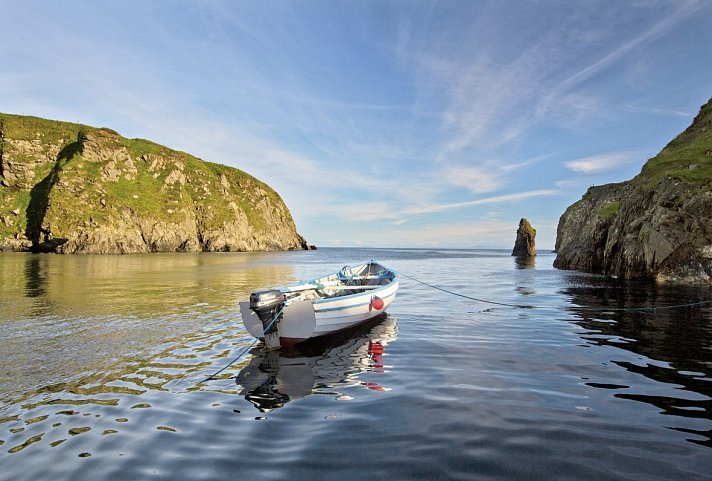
x=376 y=303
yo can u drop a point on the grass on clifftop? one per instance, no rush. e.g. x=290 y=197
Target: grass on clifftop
x=21 y=127
x=689 y=156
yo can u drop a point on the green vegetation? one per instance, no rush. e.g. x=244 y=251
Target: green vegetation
x=139 y=147
x=21 y=127
x=64 y=178
x=609 y=210
x=688 y=157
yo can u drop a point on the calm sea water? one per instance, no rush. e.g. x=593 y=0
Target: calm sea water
x=101 y=359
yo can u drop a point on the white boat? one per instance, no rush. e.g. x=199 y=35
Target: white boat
x=286 y=316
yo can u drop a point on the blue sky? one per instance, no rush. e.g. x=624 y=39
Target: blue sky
x=380 y=123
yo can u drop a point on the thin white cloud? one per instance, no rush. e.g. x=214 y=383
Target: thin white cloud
x=681 y=10
x=563 y=93
x=602 y=163
x=483 y=96
x=363 y=212
x=498 y=199
x=475 y=178
x=570 y=183
x=652 y=110
x=488 y=93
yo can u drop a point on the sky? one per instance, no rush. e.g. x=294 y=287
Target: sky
x=388 y=123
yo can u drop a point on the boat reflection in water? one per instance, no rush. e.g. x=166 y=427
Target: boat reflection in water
x=272 y=379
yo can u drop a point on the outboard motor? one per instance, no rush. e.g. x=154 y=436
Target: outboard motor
x=266 y=304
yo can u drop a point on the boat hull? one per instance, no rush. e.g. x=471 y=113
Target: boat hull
x=307 y=319
x=290 y=342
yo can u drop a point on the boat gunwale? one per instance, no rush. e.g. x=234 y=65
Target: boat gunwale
x=393 y=281
x=353 y=296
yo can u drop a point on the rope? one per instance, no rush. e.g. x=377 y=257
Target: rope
x=212 y=376
x=526 y=306
x=521 y=306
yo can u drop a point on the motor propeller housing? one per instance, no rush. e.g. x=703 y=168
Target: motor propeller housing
x=267 y=304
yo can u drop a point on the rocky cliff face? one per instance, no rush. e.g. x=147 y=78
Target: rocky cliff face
x=70 y=188
x=655 y=226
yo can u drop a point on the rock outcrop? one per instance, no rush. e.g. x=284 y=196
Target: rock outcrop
x=70 y=188
x=525 y=243
x=657 y=225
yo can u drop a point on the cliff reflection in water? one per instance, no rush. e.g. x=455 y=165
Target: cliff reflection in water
x=272 y=379
x=138 y=285
x=681 y=361
x=525 y=262
x=63 y=317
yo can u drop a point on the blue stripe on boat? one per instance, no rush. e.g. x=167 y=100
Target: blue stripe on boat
x=349 y=306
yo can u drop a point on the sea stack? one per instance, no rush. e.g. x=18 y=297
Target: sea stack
x=525 y=245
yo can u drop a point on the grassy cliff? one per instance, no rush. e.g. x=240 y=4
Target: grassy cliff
x=68 y=187
x=688 y=157
x=655 y=226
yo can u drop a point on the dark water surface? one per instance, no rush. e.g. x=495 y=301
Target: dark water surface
x=100 y=357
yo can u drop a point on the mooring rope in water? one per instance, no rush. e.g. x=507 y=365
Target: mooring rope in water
x=580 y=308
x=521 y=306
x=212 y=376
